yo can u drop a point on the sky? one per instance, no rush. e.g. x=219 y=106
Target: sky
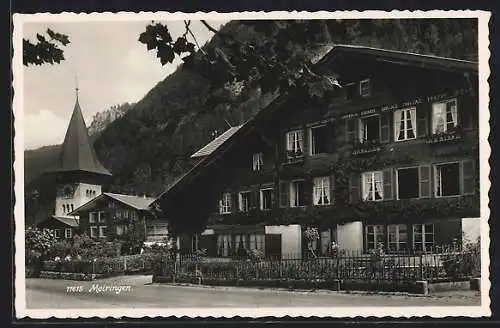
x=111 y=67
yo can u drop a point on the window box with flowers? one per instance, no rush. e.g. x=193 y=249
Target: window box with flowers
x=450 y=135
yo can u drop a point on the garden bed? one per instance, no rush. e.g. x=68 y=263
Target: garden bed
x=70 y=275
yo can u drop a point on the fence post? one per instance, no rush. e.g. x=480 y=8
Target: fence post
x=422 y=267
x=125 y=264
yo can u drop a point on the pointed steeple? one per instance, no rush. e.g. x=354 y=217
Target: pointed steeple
x=77 y=154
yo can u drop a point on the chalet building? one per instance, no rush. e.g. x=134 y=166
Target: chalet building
x=389 y=155
x=111 y=216
x=80 y=204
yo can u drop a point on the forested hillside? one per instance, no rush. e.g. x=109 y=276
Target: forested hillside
x=150 y=145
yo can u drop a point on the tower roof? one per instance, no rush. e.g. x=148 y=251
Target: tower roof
x=77 y=154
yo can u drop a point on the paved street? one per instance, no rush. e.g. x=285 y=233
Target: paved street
x=138 y=292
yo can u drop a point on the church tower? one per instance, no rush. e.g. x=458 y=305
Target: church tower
x=79 y=174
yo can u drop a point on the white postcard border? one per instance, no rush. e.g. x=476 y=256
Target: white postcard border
x=484 y=72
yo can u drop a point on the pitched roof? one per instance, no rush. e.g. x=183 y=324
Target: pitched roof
x=136 y=202
x=68 y=220
x=77 y=154
x=396 y=57
x=214 y=144
x=401 y=57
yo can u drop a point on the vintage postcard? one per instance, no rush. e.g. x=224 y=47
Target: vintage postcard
x=329 y=164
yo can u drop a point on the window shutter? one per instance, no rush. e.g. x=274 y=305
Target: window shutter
x=425 y=181
x=284 y=197
x=385 y=126
x=351 y=130
x=466 y=110
x=388 y=183
x=234 y=202
x=354 y=189
x=467 y=173
x=422 y=121
x=332 y=189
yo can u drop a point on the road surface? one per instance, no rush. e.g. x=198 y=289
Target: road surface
x=138 y=292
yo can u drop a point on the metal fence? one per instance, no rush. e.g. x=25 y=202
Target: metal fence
x=391 y=268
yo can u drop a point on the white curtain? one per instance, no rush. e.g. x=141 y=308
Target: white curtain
x=300 y=140
x=317 y=191
x=362 y=130
x=326 y=190
x=398 y=119
x=293 y=195
x=367 y=186
x=290 y=141
x=453 y=109
x=413 y=119
x=438 y=119
x=379 y=184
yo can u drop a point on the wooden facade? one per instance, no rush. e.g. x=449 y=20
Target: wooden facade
x=107 y=218
x=395 y=149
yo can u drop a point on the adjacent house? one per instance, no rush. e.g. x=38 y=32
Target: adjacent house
x=112 y=216
x=388 y=156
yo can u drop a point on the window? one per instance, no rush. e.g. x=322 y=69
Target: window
x=257 y=242
x=127 y=214
x=244 y=201
x=72 y=208
x=68 y=233
x=297 y=194
x=93 y=193
x=408 y=183
x=444 y=116
x=447 y=179
x=87 y=193
x=240 y=243
x=405 y=123
x=369 y=129
x=375 y=234
x=397 y=237
x=321 y=191
x=225 y=204
x=365 y=89
x=295 y=143
x=93 y=217
x=318 y=140
x=373 y=186
x=258 y=161
x=57 y=233
x=223 y=245
x=103 y=231
x=93 y=231
x=102 y=217
x=423 y=237
x=266 y=198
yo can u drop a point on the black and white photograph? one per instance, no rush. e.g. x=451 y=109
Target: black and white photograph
x=329 y=164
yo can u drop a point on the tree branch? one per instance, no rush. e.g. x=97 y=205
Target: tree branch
x=210 y=28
